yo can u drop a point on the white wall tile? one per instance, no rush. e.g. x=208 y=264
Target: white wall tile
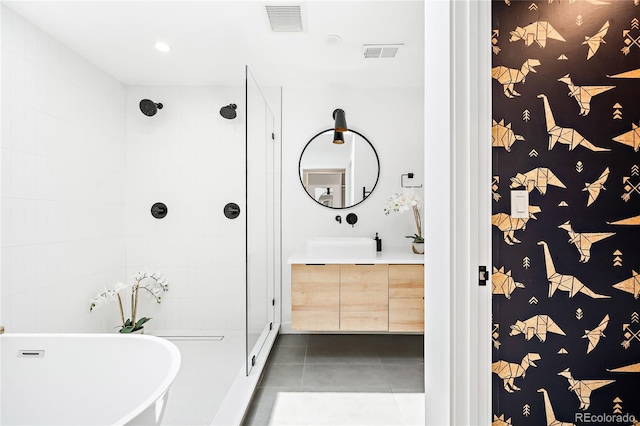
x=17 y=78
x=62 y=190
x=5 y=27
x=17 y=33
x=171 y=157
x=78 y=183
x=30 y=44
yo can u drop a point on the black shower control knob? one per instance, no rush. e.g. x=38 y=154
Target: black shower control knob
x=159 y=210
x=232 y=210
x=352 y=219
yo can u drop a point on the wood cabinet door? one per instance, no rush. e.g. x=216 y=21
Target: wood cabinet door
x=406 y=314
x=406 y=297
x=315 y=297
x=406 y=281
x=364 y=297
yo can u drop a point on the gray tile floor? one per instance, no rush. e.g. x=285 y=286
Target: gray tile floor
x=338 y=363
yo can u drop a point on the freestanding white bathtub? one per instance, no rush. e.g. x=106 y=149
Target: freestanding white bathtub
x=85 y=379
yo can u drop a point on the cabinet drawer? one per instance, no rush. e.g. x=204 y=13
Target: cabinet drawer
x=406 y=314
x=406 y=281
x=364 y=297
x=315 y=297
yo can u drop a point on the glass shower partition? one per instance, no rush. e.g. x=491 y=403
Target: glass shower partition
x=262 y=218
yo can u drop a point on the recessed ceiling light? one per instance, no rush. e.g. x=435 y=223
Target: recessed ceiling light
x=333 y=39
x=162 y=47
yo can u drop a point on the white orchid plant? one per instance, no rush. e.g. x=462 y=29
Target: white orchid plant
x=151 y=284
x=404 y=201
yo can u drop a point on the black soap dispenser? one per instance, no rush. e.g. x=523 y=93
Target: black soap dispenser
x=378 y=243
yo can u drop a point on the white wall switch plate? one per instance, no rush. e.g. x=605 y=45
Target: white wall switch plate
x=520 y=204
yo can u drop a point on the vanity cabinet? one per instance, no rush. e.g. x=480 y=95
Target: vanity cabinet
x=357 y=297
x=406 y=297
x=364 y=298
x=315 y=297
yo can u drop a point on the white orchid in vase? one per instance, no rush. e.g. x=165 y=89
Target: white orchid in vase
x=404 y=201
x=153 y=284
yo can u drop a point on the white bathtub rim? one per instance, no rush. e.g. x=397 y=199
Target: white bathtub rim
x=170 y=375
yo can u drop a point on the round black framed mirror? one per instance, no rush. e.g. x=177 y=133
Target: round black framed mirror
x=339 y=175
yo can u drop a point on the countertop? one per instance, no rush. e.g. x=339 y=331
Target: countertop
x=385 y=256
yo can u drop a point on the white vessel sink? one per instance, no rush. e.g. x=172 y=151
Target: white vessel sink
x=341 y=247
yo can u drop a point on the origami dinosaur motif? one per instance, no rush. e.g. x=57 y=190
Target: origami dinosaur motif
x=630 y=285
x=630 y=138
x=538 y=178
x=595 y=334
x=561 y=282
x=595 y=40
x=584 y=240
x=503 y=283
x=509 y=371
x=539 y=32
x=583 y=388
x=564 y=135
x=632 y=368
x=594 y=188
x=538 y=325
x=583 y=94
x=630 y=221
x=588 y=1
x=548 y=410
x=510 y=76
x=508 y=225
x=503 y=136
x=500 y=421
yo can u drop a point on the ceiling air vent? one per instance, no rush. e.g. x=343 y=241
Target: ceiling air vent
x=377 y=51
x=285 y=18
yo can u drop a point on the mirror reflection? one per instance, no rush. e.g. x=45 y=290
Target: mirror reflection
x=339 y=175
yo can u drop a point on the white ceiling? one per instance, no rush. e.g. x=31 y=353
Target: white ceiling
x=212 y=41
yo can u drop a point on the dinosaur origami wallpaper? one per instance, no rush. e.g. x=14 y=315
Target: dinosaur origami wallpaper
x=566 y=280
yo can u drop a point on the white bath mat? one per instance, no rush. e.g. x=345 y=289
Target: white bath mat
x=347 y=408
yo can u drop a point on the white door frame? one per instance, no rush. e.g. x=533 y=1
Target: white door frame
x=457 y=214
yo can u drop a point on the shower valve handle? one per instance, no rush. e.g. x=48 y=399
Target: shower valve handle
x=232 y=210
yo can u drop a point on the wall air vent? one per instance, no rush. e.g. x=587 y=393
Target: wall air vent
x=285 y=18
x=378 y=51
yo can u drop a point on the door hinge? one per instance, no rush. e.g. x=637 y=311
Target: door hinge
x=273 y=136
x=482 y=275
x=273 y=302
x=270 y=326
x=253 y=360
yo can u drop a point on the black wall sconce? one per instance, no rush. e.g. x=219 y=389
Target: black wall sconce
x=340 y=120
x=340 y=125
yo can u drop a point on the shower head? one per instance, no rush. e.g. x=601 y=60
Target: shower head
x=149 y=108
x=229 y=111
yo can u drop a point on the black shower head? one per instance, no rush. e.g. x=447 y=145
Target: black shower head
x=149 y=108
x=229 y=111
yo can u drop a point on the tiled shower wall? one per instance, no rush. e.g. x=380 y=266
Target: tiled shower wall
x=63 y=176
x=190 y=158
x=81 y=167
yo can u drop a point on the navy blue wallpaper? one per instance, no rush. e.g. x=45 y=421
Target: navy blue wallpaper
x=566 y=110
